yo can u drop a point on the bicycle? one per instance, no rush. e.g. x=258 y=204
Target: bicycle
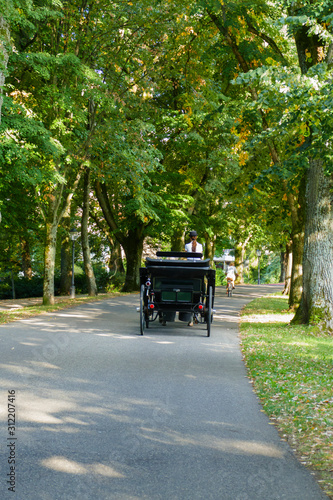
x=229 y=287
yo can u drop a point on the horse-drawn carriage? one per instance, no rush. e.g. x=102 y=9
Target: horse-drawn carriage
x=176 y=282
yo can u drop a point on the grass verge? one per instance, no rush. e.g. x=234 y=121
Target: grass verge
x=291 y=368
x=27 y=311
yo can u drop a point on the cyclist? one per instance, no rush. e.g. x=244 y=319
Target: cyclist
x=231 y=274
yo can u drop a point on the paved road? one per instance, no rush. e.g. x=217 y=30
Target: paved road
x=103 y=413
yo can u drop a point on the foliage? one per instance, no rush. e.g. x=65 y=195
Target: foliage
x=23 y=287
x=115 y=283
x=220 y=279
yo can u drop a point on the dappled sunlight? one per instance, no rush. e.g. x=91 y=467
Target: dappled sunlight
x=63 y=429
x=44 y=364
x=42 y=410
x=116 y=336
x=268 y=318
x=163 y=342
x=64 y=409
x=234 y=446
x=225 y=317
x=26 y=371
x=37 y=322
x=222 y=347
x=122 y=302
x=63 y=464
x=71 y=315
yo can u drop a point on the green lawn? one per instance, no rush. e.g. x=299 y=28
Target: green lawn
x=292 y=372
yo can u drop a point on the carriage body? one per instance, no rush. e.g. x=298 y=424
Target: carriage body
x=170 y=285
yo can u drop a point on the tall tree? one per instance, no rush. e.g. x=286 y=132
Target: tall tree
x=313 y=33
x=4 y=53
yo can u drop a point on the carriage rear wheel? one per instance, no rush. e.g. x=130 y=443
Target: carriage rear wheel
x=142 y=309
x=209 y=314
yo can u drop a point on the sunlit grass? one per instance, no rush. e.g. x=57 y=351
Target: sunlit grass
x=292 y=372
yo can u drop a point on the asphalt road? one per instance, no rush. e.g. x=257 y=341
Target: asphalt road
x=104 y=413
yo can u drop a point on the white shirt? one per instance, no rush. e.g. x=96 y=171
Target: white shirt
x=231 y=272
x=188 y=248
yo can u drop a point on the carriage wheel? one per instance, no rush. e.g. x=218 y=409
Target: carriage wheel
x=142 y=313
x=209 y=315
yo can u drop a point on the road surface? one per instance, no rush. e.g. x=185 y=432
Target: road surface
x=104 y=413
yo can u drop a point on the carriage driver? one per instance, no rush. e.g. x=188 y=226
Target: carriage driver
x=193 y=246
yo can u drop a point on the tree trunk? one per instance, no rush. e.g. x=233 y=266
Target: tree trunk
x=289 y=265
x=316 y=304
x=133 y=248
x=239 y=261
x=317 y=299
x=57 y=207
x=66 y=258
x=13 y=283
x=296 y=281
x=297 y=209
x=4 y=40
x=283 y=266
x=209 y=247
x=116 y=260
x=178 y=241
x=26 y=259
x=49 y=262
x=91 y=281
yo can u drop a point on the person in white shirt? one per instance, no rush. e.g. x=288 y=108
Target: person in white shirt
x=232 y=273
x=193 y=245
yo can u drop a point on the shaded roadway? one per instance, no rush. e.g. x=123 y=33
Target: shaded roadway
x=105 y=413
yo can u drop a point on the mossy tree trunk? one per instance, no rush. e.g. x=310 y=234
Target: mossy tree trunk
x=317 y=299
x=178 y=241
x=49 y=262
x=316 y=304
x=57 y=205
x=297 y=209
x=240 y=249
x=209 y=247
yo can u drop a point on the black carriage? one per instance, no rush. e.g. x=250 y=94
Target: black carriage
x=177 y=282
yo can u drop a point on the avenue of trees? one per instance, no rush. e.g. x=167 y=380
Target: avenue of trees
x=138 y=121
